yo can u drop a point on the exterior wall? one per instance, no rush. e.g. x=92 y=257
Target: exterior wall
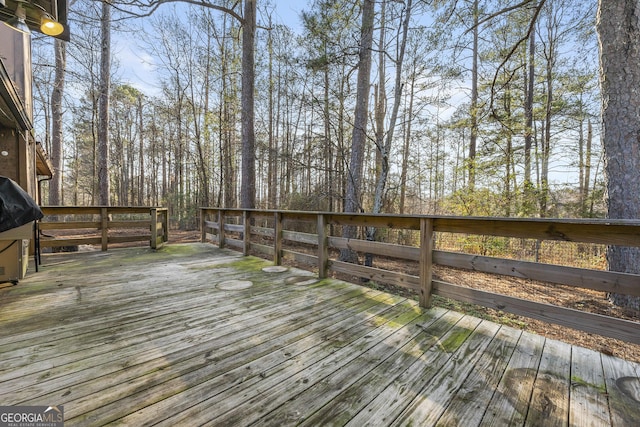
x=15 y=53
x=17 y=144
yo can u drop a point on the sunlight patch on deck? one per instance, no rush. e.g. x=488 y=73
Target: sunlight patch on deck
x=300 y=280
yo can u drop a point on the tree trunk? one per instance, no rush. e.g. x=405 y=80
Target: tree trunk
x=141 y=153
x=587 y=168
x=385 y=149
x=103 y=106
x=382 y=157
x=618 y=29
x=473 y=139
x=528 y=135
x=55 y=186
x=248 y=190
x=271 y=154
x=407 y=142
x=359 y=136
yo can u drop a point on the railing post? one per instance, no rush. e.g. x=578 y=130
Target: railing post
x=277 y=239
x=221 y=228
x=165 y=225
x=203 y=227
x=104 y=224
x=426 y=261
x=323 y=247
x=154 y=228
x=246 y=238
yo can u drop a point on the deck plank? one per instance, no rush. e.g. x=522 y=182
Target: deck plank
x=390 y=403
x=588 y=405
x=378 y=363
x=246 y=402
x=470 y=402
x=145 y=357
x=510 y=403
x=623 y=388
x=141 y=337
x=218 y=338
x=231 y=364
x=432 y=400
x=184 y=324
x=549 y=404
x=344 y=405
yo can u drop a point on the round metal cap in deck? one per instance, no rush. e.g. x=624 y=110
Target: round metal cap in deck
x=275 y=269
x=234 y=285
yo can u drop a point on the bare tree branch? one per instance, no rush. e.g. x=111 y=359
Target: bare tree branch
x=515 y=47
x=503 y=11
x=149 y=7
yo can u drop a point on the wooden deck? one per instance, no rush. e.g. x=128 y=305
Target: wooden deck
x=178 y=337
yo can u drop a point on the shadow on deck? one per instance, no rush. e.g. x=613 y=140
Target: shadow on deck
x=193 y=335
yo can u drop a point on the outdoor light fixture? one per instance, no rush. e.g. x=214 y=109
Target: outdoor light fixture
x=29 y=14
x=50 y=26
x=18 y=21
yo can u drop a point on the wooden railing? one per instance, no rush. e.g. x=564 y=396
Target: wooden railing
x=64 y=226
x=265 y=231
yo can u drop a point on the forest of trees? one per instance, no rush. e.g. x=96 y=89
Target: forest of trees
x=474 y=108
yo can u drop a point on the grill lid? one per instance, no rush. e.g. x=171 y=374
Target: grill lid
x=17 y=208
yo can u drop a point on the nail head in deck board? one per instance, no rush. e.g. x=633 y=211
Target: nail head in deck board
x=154 y=338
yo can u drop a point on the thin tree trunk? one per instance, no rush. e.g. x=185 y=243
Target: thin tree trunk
x=380 y=112
x=474 y=102
x=103 y=106
x=587 y=166
x=359 y=136
x=141 y=153
x=405 y=151
x=528 y=136
x=271 y=178
x=55 y=186
x=385 y=150
x=248 y=190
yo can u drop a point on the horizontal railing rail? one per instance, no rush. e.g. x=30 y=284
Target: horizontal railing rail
x=309 y=241
x=64 y=226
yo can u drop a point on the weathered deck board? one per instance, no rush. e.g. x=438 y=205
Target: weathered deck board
x=588 y=405
x=136 y=337
x=549 y=405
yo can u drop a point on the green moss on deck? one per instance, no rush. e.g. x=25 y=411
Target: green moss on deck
x=578 y=382
x=455 y=340
x=248 y=264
